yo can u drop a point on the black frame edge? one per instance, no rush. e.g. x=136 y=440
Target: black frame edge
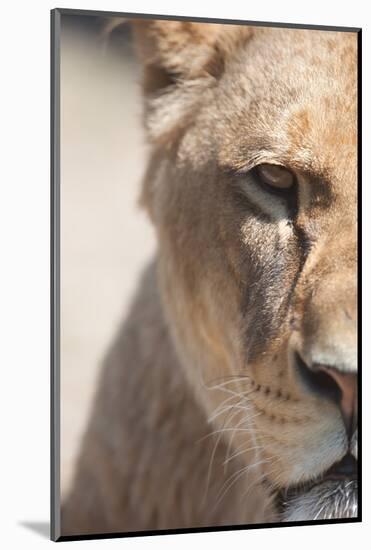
x=224 y=528
x=102 y=13
x=55 y=528
x=359 y=262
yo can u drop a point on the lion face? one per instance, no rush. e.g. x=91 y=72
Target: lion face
x=252 y=187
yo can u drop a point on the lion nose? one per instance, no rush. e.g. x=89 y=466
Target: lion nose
x=332 y=383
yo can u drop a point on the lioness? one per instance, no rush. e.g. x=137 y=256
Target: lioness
x=230 y=394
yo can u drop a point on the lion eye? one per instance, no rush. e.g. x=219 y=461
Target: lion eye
x=278 y=178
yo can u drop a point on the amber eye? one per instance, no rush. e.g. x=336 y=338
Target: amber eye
x=277 y=178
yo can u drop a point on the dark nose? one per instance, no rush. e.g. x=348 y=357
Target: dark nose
x=332 y=383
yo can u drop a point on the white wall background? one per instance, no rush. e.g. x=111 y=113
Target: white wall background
x=24 y=288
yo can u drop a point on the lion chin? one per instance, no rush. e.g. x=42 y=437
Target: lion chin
x=326 y=500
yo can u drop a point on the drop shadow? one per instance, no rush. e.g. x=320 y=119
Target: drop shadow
x=42 y=528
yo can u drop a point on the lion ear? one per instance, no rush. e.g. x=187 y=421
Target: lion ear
x=180 y=60
x=174 y=50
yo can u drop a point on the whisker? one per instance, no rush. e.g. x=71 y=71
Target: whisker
x=213 y=454
x=222 y=430
x=218 y=411
x=244 y=420
x=234 y=478
x=239 y=453
x=228 y=380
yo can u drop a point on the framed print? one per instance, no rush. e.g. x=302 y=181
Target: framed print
x=205 y=274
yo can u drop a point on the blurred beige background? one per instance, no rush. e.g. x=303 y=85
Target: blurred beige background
x=105 y=238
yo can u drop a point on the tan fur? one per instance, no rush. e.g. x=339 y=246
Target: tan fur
x=237 y=285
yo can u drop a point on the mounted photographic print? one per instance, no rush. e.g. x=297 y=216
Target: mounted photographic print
x=204 y=274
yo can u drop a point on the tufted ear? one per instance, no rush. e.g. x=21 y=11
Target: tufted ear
x=180 y=59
